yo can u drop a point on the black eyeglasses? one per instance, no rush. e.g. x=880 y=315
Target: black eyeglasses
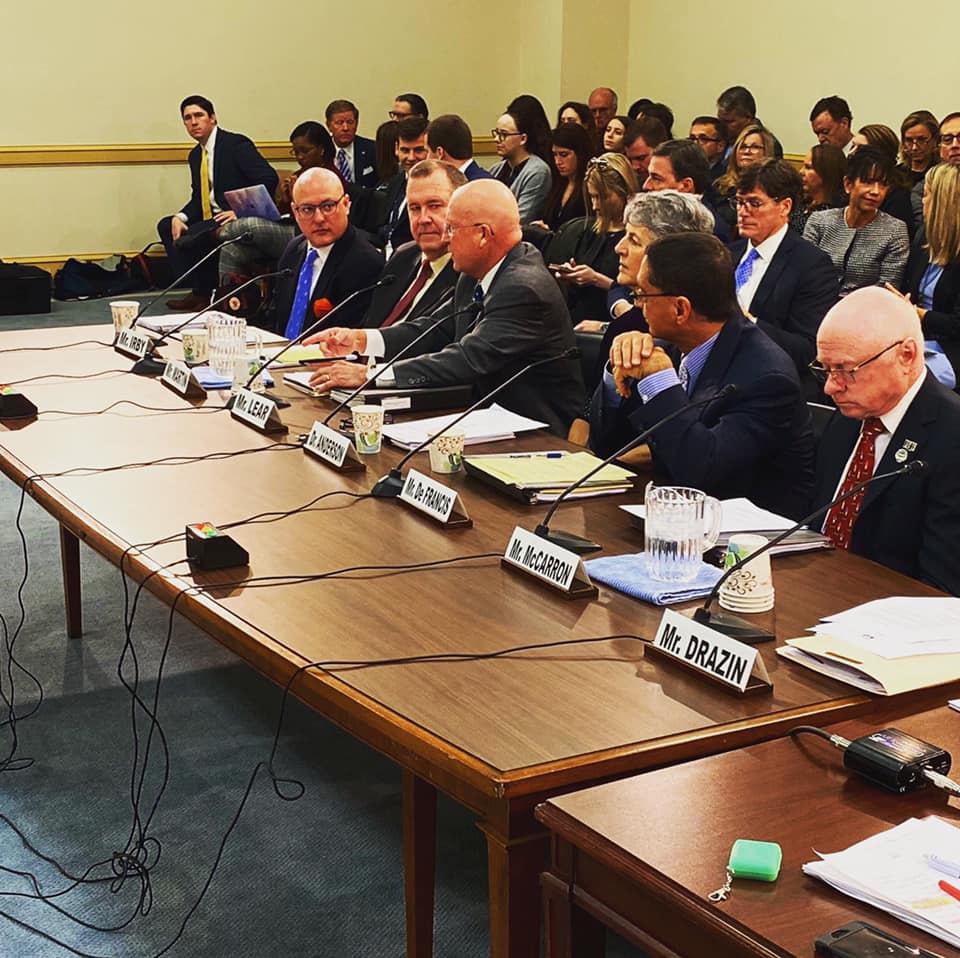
x=702 y=138
x=846 y=376
x=639 y=297
x=326 y=207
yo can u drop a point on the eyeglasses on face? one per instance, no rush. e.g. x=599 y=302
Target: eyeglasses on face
x=948 y=139
x=911 y=142
x=702 y=138
x=639 y=296
x=747 y=202
x=309 y=209
x=449 y=229
x=503 y=134
x=846 y=376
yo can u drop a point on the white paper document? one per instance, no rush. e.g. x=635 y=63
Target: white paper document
x=891 y=872
x=482 y=425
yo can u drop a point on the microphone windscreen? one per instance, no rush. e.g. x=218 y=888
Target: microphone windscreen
x=387 y=280
x=918 y=465
x=572 y=353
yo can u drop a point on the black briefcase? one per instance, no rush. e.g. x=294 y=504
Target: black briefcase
x=23 y=289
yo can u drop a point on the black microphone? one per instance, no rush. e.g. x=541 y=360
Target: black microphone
x=575 y=543
x=738 y=628
x=472 y=307
x=383 y=281
x=391 y=485
x=242 y=238
x=149 y=366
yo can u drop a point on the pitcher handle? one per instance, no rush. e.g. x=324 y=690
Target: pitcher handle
x=712 y=508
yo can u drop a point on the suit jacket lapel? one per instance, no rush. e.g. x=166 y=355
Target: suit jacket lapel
x=772 y=275
x=713 y=375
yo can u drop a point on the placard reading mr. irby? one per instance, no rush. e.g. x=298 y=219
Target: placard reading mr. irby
x=131 y=343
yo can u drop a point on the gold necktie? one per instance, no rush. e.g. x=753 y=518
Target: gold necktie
x=205 y=185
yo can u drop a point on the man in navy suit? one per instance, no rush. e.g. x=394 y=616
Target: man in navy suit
x=892 y=411
x=785 y=284
x=394 y=229
x=449 y=139
x=221 y=161
x=355 y=157
x=756 y=443
x=330 y=260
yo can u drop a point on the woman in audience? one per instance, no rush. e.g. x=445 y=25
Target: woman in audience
x=582 y=255
x=932 y=278
x=526 y=173
x=868 y=247
x=310 y=145
x=919 y=134
x=573 y=112
x=881 y=137
x=533 y=119
x=613 y=134
x=822 y=174
x=385 y=152
x=572 y=148
x=752 y=145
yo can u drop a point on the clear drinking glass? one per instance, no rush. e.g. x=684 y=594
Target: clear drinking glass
x=228 y=343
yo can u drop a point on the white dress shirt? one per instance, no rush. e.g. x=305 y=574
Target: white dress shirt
x=765 y=251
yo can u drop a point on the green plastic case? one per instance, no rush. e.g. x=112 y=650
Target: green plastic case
x=757 y=860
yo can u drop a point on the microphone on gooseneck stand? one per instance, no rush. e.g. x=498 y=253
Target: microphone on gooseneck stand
x=151 y=366
x=473 y=307
x=383 y=281
x=738 y=628
x=391 y=484
x=242 y=238
x=575 y=543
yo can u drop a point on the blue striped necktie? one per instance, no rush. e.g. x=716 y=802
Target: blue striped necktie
x=745 y=269
x=302 y=298
x=343 y=166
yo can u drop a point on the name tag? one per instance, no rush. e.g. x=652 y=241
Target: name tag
x=428 y=495
x=176 y=376
x=131 y=343
x=253 y=408
x=544 y=559
x=707 y=651
x=328 y=444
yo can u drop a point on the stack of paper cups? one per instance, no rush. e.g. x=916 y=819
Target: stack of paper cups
x=750 y=588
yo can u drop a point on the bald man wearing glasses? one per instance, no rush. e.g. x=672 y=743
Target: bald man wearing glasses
x=891 y=411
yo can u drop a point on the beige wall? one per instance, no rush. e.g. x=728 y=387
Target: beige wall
x=886 y=58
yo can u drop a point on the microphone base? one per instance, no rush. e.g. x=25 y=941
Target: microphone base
x=16 y=406
x=389 y=487
x=569 y=541
x=733 y=626
x=148 y=366
x=281 y=403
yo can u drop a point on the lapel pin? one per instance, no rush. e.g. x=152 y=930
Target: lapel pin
x=901 y=455
x=909 y=445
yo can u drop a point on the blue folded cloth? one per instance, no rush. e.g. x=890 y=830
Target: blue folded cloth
x=628 y=573
x=211 y=380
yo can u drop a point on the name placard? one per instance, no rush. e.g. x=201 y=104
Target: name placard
x=333 y=448
x=257 y=411
x=547 y=562
x=711 y=653
x=434 y=499
x=179 y=378
x=132 y=343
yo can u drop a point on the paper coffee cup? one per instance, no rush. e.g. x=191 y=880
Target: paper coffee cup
x=750 y=588
x=196 y=346
x=446 y=452
x=123 y=311
x=367 y=428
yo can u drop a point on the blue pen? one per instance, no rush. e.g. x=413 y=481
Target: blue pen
x=944 y=865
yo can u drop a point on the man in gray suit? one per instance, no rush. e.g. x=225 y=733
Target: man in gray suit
x=522 y=319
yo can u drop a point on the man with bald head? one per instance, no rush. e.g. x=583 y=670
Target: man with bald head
x=330 y=259
x=603 y=106
x=891 y=412
x=520 y=318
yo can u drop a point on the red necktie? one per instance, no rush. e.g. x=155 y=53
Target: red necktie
x=839 y=525
x=406 y=300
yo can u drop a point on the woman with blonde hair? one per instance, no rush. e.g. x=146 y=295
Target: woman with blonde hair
x=752 y=146
x=932 y=277
x=919 y=136
x=582 y=255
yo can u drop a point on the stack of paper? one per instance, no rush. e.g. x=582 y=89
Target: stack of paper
x=164 y=322
x=741 y=515
x=482 y=425
x=891 y=871
x=543 y=476
x=886 y=646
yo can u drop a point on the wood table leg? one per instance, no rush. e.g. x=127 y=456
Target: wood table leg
x=70 y=564
x=513 y=875
x=419 y=862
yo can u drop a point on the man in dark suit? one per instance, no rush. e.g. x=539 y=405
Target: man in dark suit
x=784 y=283
x=449 y=139
x=355 y=156
x=221 y=161
x=757 y=443
x=424 y=273
x=330 y=260
x=394 y=231
x=891 y=412
x=522 y=317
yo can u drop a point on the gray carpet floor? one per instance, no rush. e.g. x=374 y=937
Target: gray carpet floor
x=320 y=876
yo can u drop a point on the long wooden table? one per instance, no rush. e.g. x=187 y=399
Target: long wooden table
x=498 y=736
x=640 y=855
